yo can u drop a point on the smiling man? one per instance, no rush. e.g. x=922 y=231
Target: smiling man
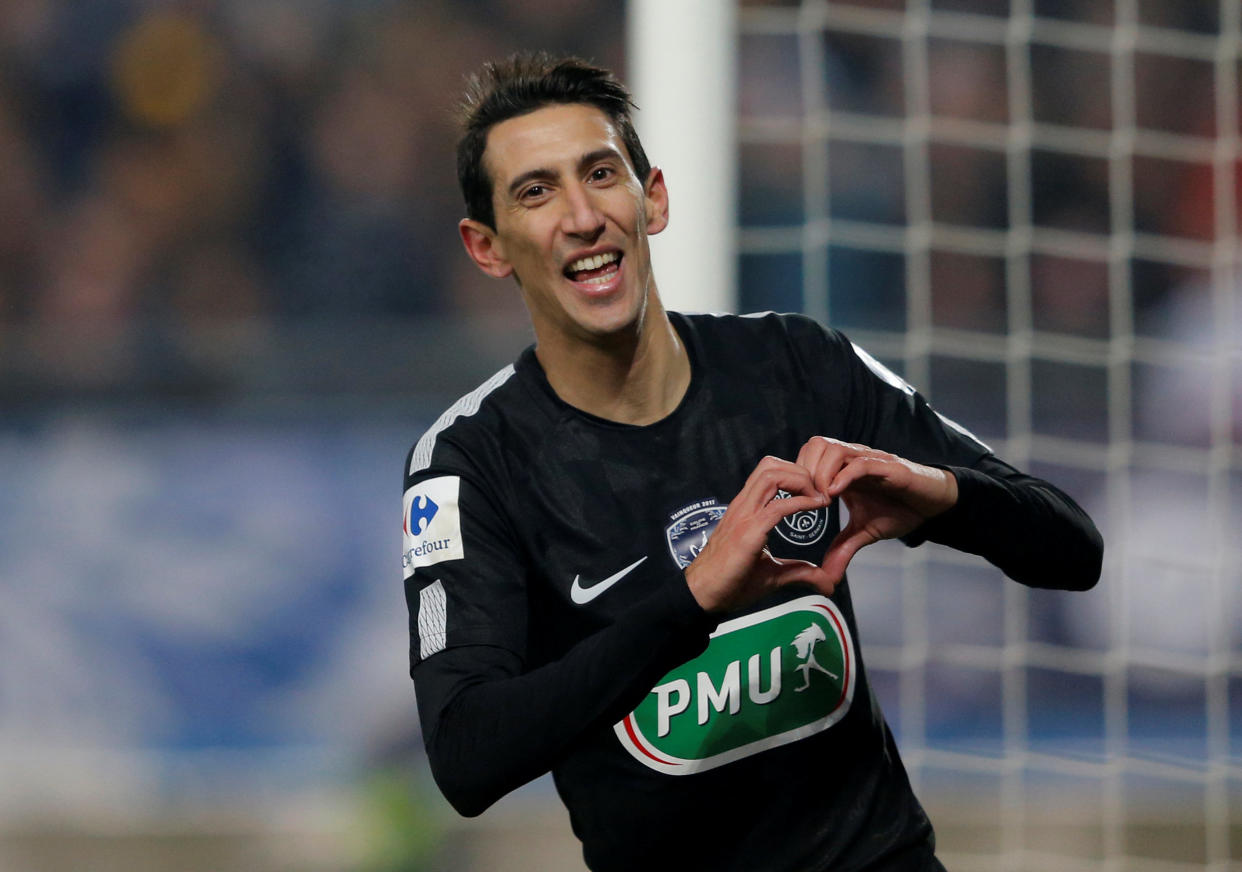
x=570 y=218
x=623 y=554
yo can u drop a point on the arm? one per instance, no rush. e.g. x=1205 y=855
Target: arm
x=1023 y=525
x=908 y=472
x=1028 y=528
x=490 y=727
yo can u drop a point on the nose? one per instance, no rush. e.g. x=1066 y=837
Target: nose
x=582 y=217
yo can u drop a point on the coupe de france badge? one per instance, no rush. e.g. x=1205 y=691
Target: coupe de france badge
x=690 y=528
x=431 y=523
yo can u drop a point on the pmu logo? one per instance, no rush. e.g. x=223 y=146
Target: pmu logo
x=418 y=518
x=690 y=529
x=765 y=680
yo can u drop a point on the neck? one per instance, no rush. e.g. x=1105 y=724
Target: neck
x=637 y=377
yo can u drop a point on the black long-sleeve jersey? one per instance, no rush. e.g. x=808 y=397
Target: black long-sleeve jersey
x=551 y=626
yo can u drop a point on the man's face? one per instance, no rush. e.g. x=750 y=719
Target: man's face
x=572 y=221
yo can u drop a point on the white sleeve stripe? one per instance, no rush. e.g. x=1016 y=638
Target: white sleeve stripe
x=964 y=432
x=432 y=619
x=883 y=372
x=466 y=406
x=887 y=375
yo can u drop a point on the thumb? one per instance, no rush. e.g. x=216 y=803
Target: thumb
x=844 y=546
x=782 y=571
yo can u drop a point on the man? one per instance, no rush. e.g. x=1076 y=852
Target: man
x=620 y=558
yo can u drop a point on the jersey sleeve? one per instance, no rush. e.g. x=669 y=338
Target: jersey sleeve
x=464 y=578
x=1027 y=527
x=887 y=413
x=1030 y=529
x=490 y=725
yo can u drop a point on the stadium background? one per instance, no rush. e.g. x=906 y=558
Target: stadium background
x=231 y=296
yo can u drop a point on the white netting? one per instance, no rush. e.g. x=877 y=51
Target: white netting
x=1030 y=209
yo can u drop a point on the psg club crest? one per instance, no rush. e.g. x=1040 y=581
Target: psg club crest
x=802 y=528
x=690 y=528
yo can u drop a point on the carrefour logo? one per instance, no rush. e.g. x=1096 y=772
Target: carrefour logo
x=431 y=523
x=418 y=518
x=765 y=680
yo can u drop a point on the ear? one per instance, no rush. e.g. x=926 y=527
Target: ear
x=484 y=248
x=656 y=195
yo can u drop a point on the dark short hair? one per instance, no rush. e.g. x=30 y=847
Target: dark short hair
x=523 y=83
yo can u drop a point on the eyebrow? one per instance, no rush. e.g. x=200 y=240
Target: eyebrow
x=547 y=173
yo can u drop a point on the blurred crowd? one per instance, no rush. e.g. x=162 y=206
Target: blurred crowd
x=192 y=165
x=204 y=162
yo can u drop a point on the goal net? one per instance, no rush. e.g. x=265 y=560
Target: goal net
x=1029 y=208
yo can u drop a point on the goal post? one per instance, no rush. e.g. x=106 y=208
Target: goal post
x=682 y=68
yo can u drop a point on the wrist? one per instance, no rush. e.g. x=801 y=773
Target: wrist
x=707 y=599
x=950 y=493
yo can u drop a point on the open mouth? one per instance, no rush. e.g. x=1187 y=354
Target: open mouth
x=595 y=270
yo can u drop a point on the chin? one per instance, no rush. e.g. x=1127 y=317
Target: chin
x=616 y=323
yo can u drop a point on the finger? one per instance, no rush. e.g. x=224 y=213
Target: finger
x=772 y=475
x=818 y=444
x=811 y=451
x=783 y=508
x=823 y=458
x=816 y=577
x=784 y=571
x=859 y=468
x=842 y=550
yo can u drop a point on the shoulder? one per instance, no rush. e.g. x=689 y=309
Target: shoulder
x=759 y=326
x=471 y=426
x=766 y=336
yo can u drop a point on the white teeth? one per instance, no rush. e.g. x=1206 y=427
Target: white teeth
x=595 y=262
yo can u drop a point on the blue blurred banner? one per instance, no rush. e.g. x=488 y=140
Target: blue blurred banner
x=182 y=582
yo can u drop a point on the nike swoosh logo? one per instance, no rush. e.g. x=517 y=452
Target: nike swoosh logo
x=583 y=595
